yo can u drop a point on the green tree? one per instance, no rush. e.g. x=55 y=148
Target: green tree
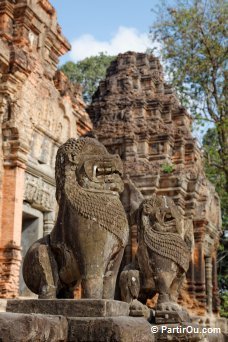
x=88 y=72
x=224 y=305
x=193 y=37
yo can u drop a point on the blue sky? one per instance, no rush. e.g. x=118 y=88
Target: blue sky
x=93 y=26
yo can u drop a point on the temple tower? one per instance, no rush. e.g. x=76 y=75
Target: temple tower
x=137 y=114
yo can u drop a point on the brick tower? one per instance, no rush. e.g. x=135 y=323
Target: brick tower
x=136 y=114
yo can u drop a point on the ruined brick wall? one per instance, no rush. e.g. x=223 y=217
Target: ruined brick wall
x=136 y=114
x=39 y=110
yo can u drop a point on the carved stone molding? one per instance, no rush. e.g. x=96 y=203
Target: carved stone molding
x=38 y=193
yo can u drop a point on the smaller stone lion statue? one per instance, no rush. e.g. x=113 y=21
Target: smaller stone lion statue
x=164 y=249
x=87 y=242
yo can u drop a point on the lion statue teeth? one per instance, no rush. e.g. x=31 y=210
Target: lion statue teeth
x=88 y=240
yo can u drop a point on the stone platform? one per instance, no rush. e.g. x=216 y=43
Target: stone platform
x=89 y=320
x=82 y=320
x=70 y=307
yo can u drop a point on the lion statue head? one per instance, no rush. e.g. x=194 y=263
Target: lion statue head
x=89 y=179
x=163 y=214
x=164 y=230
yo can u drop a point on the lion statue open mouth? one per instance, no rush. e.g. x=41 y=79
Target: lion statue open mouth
x=88 y=240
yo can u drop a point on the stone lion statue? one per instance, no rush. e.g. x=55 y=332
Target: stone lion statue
x=164 y=248
x=87 y=242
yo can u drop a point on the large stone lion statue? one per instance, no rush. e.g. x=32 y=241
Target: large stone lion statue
x=165 y=242
x=87 y=242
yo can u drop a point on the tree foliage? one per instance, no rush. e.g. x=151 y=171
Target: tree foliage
x=224 y=305
x=88 y=72
x=193 y=37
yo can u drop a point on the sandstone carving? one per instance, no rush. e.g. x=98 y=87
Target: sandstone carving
x=88 y=240
x=164 y=247
x=39 y=193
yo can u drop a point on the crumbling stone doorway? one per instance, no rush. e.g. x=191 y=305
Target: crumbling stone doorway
x=32 y=230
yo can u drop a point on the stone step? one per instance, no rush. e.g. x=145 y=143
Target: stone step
x=70 y=307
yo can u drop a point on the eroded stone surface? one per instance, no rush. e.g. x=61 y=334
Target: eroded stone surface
x=91 y=231
x=70 y=308
x=16 y=327
x=171 y=316
x=165 y=243
x=116 y=329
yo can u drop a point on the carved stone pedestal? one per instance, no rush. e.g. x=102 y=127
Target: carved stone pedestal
x=88 y=320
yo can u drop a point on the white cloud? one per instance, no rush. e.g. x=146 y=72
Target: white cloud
x=125 y=39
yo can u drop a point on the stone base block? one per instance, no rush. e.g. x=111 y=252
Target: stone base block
x=37 y=328
x=112 y=329
x=70 y=307
x=171 y=317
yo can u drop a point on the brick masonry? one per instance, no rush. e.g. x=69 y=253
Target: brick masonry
x=39 y=110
